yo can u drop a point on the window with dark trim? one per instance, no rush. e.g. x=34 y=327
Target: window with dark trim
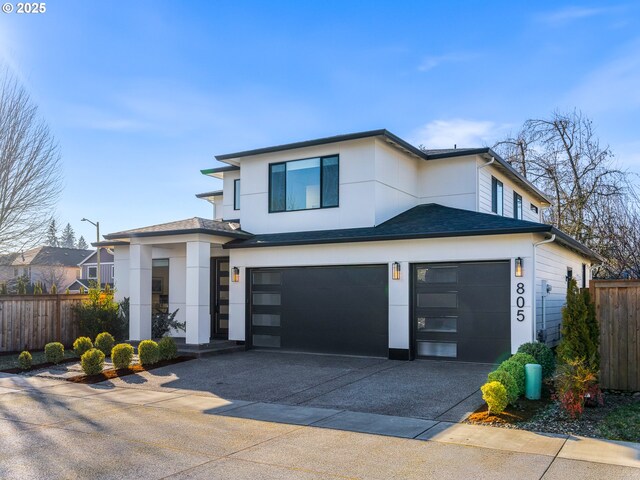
x=497 y=196
x=569 y=276
x=517 y=206
x=306 y=184
x=236 y=194
x=584 y=275
x=534 y=209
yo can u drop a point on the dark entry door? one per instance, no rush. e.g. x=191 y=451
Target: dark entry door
x=336 y=309
x=461 y=311
x=220 y=297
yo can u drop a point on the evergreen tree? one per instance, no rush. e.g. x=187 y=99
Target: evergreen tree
x=52 y=235
x=68 y=237
x=579 y=329
x=82 y=243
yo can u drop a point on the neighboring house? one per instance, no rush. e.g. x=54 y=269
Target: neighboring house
x=48 y=265
x=359 y=244
x=89 y=271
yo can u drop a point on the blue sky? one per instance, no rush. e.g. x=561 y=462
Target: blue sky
x=141 y=95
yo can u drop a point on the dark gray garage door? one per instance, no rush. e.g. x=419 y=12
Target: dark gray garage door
x=461 y=311
x=338 y=309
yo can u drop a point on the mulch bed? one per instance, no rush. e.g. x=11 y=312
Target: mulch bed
x=545 y=415
x=113 y=373
x=39 y=366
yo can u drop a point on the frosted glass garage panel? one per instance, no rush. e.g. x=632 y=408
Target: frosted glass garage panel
x=438 y=324
x=266 y=299
x=267 y=278
x=265 y=320
x=438 y=349
x=438 y=300
x=437 y=275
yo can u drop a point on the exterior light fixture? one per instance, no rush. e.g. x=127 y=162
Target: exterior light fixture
x=395 y=271
x=518 y=267
x=235 y=274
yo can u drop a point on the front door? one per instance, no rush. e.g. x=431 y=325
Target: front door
x=220 y=297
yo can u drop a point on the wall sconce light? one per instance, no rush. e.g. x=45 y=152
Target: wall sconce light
x=235 y=274
x=395 y=271
x=519 y=267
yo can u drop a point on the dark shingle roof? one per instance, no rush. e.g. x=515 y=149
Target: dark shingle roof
x=6 y=260
x=422 y=221
x=181 y=227
x=69 y=257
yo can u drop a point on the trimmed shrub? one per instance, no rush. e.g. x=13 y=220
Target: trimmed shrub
x=25 y=360
x=580 y=337
x=495 y=395
x=54 y=352
x=523 y=359
x=92 y=361
x=121 y=355
x=81 y=345
x=105 y=342
x=148 y=352
x=167 y=349
x=574 y=382
x=516 y=370
x=543 y=354
x=508 y=382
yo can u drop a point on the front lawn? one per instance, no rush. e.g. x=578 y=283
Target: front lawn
x=623 y=423
x=11 y=360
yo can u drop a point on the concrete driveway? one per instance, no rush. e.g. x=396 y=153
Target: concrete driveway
x=445 y=391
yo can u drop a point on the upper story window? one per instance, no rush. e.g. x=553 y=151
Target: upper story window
x=497 y=196
x=303 y=184
x=517 y=206
x=534 y=209
x=92 y=272
x=236 y=194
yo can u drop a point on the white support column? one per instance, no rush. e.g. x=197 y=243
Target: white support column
x=399 y=309
x=198 y=279
x=140 y=292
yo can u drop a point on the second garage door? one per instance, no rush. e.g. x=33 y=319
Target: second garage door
x=462 y=311
x=337 y=309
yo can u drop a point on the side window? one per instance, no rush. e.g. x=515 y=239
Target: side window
x=517 y=206
x=236 y=194
x=584 y=275
x=497 y=196
x=569 y=276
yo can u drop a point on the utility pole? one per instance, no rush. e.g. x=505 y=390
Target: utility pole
x=97 y=225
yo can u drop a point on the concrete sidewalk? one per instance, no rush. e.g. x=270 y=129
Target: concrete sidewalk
x=56 y=429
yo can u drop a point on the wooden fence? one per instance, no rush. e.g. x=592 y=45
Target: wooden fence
x=618 y=310
x=31 y=321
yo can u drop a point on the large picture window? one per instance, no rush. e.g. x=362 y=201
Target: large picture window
x=303 y=184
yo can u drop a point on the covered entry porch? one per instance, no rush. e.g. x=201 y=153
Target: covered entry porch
x=176 y=266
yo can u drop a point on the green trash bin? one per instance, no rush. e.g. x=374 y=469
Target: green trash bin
x=533 y=381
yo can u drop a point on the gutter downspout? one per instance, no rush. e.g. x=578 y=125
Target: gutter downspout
x=533 y=303
x=493 y=159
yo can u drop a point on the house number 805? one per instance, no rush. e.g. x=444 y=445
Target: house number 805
x=520 y=302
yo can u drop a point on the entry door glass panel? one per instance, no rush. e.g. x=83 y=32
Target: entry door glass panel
x=220 y=300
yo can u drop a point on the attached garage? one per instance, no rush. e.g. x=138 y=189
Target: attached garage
x=333 y=309
x=461 y=311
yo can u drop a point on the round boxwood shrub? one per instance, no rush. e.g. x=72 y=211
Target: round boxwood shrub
x=54 y=352
x=121 y=355
x=508 y=382
x=167 y=349
x=105 y=342
x=81 y=345
x=92 y=361
x=148 y=352
x=543 y=354
x=523 y=358
x=495 y=395
x=516 y=370
x=25 y=360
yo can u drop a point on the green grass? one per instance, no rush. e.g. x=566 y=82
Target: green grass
x=11 y=361
x=622 y=424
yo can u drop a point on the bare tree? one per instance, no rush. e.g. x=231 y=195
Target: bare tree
x=30 y=170
x=563 y=157
x=51 y=275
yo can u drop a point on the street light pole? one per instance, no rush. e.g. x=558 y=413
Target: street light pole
x=97 y=225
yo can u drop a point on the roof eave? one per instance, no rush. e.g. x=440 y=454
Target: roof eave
x=187 y=231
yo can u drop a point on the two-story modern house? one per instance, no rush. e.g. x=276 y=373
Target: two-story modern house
x=89 y=271
x=360 y=244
